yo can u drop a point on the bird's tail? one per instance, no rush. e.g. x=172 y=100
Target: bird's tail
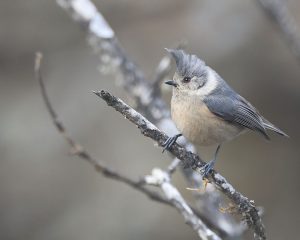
x=270 y=126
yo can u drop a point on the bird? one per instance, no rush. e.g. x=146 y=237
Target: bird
x=206 y=110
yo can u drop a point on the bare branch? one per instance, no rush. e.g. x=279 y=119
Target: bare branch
x=149 y=103
x=244 y=206
x=78 y=150
x=100 y=167
x=280 y=14
x=146 y=99
x=162 y=71
x=172 y=167
x=162 y=179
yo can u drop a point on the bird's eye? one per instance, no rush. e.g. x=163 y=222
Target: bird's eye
x=186 y=79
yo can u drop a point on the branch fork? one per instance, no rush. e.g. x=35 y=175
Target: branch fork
x=150 y=105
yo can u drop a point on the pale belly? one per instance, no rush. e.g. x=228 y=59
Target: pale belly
x=199 y=125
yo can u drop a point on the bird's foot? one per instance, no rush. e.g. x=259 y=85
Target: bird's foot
x=207 y=168
x=170 y=141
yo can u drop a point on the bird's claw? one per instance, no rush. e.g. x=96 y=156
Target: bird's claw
x=207 y=168
x=169 y=142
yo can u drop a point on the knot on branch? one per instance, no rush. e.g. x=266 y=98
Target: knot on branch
x=157 y=178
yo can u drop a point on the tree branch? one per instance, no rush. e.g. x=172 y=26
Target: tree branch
x=278 y=11
x=244 y=206
x=162 y=180
x=149 y=103
x=146 y=98
x=192 y=217
x=78 y=150
x=163 y=70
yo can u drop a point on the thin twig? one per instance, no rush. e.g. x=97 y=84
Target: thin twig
x=78 y=150
x=163 y=69
x=172 y=167
x=244 y=206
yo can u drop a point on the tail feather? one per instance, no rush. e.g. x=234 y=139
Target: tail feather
x=270 y=126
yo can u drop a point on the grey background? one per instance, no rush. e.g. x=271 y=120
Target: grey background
x=47 y=194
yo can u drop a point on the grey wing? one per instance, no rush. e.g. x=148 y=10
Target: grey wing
x=269 y=125
x=266 y=124
x=237 y=110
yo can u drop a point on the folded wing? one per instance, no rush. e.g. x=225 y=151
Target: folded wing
x=237 y=110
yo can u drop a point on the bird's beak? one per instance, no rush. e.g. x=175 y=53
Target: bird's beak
x=172 y=83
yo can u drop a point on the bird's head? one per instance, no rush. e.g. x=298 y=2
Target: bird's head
x=192 y=76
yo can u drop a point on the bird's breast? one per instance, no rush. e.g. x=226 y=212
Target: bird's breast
x=199 y=125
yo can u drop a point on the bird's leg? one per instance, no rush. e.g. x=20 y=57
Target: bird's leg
x=205 y=170
x=170 y=141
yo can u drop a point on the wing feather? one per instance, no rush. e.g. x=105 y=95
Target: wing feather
x=237 y=110
x=249 y=119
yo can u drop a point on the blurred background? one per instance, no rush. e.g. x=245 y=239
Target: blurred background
x=48 y=194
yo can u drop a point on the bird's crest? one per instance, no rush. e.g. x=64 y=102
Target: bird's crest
x=187 y=65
